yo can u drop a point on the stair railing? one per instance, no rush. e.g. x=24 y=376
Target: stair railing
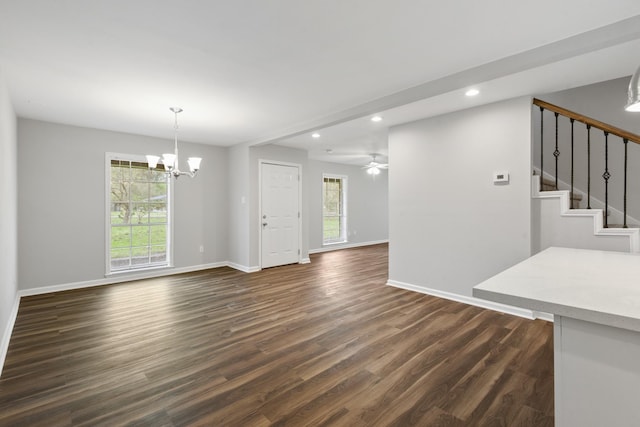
x=589 y=123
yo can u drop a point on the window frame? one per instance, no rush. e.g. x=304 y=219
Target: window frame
x=135 y=158
x=343 y=217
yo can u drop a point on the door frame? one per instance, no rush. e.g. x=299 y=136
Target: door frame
x=259 y=218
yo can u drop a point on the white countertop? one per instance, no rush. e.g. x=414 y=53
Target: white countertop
x=595 y=286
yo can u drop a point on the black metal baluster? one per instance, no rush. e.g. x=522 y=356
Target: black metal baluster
x=556 y=153
x=571 y=203
x=541 y=148
x=626 y=141
x=606 y=175
x=588 y=166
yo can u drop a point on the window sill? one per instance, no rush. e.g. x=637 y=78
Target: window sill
x=135 y=271
x=340 y=242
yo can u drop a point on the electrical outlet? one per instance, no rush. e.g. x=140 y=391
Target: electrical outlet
x=201 y=248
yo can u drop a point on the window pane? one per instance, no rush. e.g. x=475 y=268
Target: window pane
x=158 y=175
x=158 y=192
x=139 y=191
x=139 y=256
x=140 y=236
x=140 y=213
x=139 y=174
x=158 y=234
x=158 y=253
x=120 y=258
x=158 y=213
x=119 y=191
x=331 y=227
x=120 y=237
x=119 y=172
x=120 y=213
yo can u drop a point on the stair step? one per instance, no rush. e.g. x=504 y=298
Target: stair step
x=550 y=185
x=622 y=226
x=576 y=196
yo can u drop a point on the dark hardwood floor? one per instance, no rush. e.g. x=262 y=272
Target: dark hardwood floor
x=327 y=343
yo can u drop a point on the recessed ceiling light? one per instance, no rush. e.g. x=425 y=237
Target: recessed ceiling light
x=472 y=92
x=376 y=118
x=315 y=135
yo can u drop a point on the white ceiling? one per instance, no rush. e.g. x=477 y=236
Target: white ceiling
x=256 y=71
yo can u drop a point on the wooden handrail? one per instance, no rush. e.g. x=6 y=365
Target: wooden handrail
x=588 y=121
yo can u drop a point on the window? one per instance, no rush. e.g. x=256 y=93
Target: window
x=334 y=212
x=138 y=217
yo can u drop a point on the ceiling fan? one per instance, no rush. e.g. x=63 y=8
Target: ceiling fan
x=373 y=168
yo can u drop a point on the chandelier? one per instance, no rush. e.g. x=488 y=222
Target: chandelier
x=170 y=161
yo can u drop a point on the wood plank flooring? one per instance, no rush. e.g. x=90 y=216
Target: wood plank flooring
x=321 y=344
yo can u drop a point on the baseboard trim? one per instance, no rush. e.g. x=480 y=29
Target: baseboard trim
x=6 y=336
x=243 y=268
x=502 y=308
x=111 y=280
x=346 y=246
x=306 y=260
x=543 y=316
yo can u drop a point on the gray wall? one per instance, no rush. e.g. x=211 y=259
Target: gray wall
x=238 y=201
x=61 y=202
x=604 y=101
x=281 y=154
x=450 y=227
x=8 y=215
x=367 y=203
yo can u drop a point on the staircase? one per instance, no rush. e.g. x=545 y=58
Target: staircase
x=576 y=199
x=556 y=223
x=600 y=150
x=583 y=203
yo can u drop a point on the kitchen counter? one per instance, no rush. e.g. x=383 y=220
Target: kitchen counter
x=594 y=297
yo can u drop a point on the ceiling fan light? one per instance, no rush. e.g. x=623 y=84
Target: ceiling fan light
x=633 y=98
x=373 y=171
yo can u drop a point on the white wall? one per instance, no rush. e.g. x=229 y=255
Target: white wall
x=450 y=227
x=281 y=154
x=8 y=218
x=61 y=202
x=367 y=204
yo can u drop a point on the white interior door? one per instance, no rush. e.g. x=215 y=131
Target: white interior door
x=280 y=214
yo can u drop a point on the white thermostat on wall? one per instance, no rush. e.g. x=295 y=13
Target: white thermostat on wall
x=501 y=177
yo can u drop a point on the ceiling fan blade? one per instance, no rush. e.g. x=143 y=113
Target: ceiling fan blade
x=373 y=164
